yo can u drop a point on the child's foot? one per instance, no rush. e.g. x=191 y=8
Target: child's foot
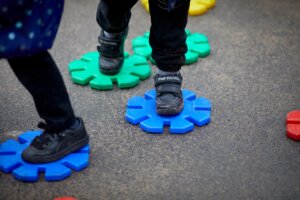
x=50 y=146
x=111 y=51
x=169 y=99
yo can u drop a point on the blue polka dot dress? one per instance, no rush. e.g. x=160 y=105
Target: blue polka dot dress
x=28 y=26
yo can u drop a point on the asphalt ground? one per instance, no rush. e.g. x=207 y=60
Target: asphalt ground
x=252 y=78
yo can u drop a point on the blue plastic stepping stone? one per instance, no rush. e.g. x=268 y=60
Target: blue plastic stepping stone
x=11 y=161
x=141 y=110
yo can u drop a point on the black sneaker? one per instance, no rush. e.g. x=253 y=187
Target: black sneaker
x=111 y=51
x=169 y=99
x=51 y=146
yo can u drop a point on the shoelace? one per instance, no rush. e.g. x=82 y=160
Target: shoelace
x=48 y=135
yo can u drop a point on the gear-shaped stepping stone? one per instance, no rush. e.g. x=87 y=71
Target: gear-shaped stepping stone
x=141 y=110
x=197 y=43
x=11 y=161
x=293 y=125
x=145 y=3
x=197 y=7
x=86 y=70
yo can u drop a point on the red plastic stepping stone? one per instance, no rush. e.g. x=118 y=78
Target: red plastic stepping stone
x=64 y=198
x=293 y=125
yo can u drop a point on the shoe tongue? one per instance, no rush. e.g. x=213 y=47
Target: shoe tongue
x=42 y=125
x=166 y=97
x=47 y=128
x=40 y=140
x=75 y=125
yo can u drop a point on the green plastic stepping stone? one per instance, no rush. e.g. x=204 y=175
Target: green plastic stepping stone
x=86 y=70
x=198 y=46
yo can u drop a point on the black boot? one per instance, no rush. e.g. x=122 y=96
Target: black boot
x=51 y=146
x=111 y=51
x=169 y=99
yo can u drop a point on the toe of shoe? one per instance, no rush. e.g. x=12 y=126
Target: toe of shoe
x=110 y=63
x=32 y=155
x=28 y=154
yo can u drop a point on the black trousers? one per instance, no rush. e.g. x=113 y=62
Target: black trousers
x=41 y=77
x=167 y=34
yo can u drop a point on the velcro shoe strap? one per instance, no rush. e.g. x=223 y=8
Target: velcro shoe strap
x=168 y=79
x=109 y=41
x=111 y=47
x=168 y=88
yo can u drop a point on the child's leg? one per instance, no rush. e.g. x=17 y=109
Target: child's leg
x=168 y=42
x=41 y=77
x=113 y=17
x=167 y=36
x=63 y=133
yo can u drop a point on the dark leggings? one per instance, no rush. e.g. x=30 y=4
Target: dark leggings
x=41 y=77
x=167 y=34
